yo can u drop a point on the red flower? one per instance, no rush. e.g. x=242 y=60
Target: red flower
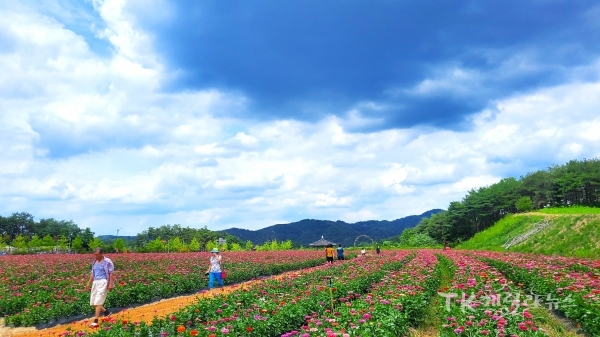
x=194 y=333
x=249 y=329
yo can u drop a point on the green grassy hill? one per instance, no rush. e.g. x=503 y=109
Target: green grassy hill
x=571 y=231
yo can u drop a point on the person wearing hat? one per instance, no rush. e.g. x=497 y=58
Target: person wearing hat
x=214 y=270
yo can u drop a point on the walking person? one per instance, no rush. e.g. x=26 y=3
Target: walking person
x=378 y=250
x=329 y=253
x=340 y=252
x=215 y=269
x=101 y=280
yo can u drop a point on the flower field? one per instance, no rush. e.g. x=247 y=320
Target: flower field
x=390 y=306
x=45 y=288
x=482 y=302
x=285 y=306
x=568 y=285
x=484 y=293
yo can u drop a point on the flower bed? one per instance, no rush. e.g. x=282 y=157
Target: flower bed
x=269 y=308
x=393 y=304
x=481 y=301
x=44 y=288
x=562 y=283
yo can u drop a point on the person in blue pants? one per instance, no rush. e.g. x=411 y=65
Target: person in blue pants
x=340 y=252
x=214 y=270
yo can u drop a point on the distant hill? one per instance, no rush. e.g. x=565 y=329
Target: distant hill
x=112 y=238
x=307 y=231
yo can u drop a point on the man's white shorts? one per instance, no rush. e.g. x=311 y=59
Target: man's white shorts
x=99 y=291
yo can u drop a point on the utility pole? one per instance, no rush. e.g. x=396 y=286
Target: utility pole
x=118 y=229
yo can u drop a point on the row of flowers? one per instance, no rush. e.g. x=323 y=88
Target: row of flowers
x=481 y=302
x=564 y=284
x=38 y=289
x=390 y=307
x=267 y=308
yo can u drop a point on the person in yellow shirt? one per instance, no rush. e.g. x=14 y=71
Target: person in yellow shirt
x=329 y=253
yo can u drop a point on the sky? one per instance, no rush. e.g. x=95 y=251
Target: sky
x=127 y=114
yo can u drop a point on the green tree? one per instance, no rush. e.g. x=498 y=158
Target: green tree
x=235 y=247
x=210 y=245
x=20 y=242
x=119 y=245
x=286 y=245
x=63 y=242
x=406 y=235
x=95 y=244
x=422 y=240
x=155 y=245
x=524 y=204
x=175 y=244
x=248 y=245
x=5 y=238
x=77 y=244
x=47 y=241
x=23 y=222
x=194 y=245
x=35 y=242
x=87 y=236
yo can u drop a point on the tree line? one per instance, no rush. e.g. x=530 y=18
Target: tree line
x=173 y=238
x=22 y=232
x=576 y=183
x=178 y=236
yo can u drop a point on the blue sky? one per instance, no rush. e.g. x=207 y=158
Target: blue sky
x=130 y=114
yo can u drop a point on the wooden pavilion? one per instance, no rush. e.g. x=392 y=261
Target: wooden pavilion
x=322 y=243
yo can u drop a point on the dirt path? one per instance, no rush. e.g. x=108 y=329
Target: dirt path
x=142 y=313
x=547 y=215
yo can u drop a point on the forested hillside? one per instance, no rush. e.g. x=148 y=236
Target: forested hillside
x=574 y=183
x=309 y=230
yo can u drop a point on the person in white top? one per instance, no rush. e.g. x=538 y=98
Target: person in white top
x=101 y=280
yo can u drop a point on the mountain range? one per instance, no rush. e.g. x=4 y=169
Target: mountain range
x=306 y=231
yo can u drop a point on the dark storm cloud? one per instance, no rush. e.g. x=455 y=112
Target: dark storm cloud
x=303 y=59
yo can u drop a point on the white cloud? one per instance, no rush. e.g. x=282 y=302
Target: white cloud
x=242 y=139
x=148 y=158
x=452 y=79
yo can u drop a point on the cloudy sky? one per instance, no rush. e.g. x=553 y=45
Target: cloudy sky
x=136 y=113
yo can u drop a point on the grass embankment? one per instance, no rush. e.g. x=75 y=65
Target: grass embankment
x=573 y=231
x=571 y=210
